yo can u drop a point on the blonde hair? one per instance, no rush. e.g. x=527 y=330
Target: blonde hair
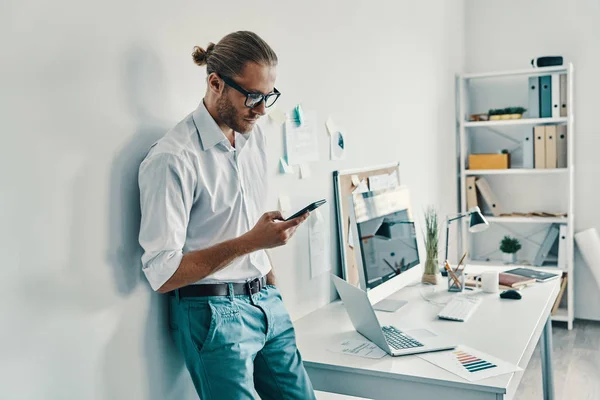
x=233 y=52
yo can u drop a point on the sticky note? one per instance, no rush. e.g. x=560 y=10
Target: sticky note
x=277 y=116
x=318 y=215
x=355 y=180
x=330 y=126
x=284 y=168
x=284 y=203
x=304 y=171
x=299 y=114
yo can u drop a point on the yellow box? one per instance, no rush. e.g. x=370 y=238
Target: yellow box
x=489 y=161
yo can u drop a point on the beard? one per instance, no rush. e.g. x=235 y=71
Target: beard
x=230 y=116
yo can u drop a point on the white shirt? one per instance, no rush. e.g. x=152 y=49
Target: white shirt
x=196 y=191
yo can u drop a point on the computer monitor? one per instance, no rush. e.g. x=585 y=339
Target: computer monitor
x=387 y=243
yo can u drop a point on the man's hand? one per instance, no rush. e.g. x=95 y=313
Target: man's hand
x=271 y=231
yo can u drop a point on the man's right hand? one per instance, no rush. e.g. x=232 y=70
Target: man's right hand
x=272 y=231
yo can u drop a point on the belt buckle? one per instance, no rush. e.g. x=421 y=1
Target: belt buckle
x=251 y=288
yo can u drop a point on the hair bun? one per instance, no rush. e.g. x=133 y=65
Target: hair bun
x=200 y=55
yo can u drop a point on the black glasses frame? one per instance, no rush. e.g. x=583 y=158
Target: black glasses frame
x=253 y=96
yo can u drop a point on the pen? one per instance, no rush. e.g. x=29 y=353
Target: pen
x=461 y=260
x=451 y=273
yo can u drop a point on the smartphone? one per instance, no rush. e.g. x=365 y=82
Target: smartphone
x=309 y=207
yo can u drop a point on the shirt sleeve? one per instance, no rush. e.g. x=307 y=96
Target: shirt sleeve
x=166 y=195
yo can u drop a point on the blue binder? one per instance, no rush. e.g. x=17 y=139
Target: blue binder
x=545 y=88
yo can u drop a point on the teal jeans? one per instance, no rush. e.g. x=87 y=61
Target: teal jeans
x=240 y=347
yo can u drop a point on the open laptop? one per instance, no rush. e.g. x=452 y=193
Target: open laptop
x=390 y=339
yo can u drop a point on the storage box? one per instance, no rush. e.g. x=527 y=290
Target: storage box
x=489 y=161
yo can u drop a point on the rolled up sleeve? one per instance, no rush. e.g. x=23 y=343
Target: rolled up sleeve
x=166 y=196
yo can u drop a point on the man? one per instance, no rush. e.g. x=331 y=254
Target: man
x=202 y=190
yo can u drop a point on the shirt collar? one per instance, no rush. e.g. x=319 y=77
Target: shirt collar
x=209 y=132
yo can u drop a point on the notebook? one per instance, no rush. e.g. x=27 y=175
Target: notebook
x=539 y=276
x=515 y=281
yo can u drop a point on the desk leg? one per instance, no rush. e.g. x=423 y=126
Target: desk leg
x=547 y=373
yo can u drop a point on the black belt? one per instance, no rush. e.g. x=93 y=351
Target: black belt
x=221 y=289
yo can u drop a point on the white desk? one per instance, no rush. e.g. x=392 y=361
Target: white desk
x=507 y=329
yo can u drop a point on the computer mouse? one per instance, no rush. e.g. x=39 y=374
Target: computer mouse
x=510 y=294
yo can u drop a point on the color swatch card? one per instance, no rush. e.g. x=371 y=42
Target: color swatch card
x=470 y=364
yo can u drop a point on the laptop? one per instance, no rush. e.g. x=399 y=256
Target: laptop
x=390 y=339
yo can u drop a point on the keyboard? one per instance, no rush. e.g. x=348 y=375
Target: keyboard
x=398 y=340
x=460 y=308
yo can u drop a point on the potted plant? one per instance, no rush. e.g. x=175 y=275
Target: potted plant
x=516 y=112
x=506 y=113
x=509 y=247
x=431 y=234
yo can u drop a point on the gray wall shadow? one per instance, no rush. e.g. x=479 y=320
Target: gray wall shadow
x=143 y=82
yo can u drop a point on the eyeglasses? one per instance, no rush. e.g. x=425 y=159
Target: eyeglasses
x=253 y=99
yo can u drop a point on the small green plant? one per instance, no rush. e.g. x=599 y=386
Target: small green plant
x=507 y=110
x=510 y=245
x=431 y=241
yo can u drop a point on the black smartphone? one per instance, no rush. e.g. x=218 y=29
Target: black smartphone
x=309 y=207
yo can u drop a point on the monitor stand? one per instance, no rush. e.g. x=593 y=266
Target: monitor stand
x=389 y=305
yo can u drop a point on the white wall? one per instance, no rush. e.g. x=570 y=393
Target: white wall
x=507 y=35
x=88 y=86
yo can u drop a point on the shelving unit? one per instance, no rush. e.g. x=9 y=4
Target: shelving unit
x=516 y=171
x=464 y=129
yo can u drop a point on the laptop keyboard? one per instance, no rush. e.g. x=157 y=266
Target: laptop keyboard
x=398 y=340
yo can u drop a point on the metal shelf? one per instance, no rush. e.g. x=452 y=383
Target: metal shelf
x=521 y=121
x=516 y=72
x=516 y=171
x=528 y=220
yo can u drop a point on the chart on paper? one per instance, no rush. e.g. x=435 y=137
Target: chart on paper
x=470 y=364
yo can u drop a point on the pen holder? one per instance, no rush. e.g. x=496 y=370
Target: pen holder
x=456 y=281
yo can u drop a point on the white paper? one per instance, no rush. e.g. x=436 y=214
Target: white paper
x=277 y=116
x=469 y=363
x=330 y=126
x=350 y=236
x=284 y=203
x=337 y=145
x=358 y=348
x=393 y=181
x=304 y=171
x=362 y=187
x=318 y=242
x=284 y=168
x=355 y=180
x=301 y=142
x=378 y=182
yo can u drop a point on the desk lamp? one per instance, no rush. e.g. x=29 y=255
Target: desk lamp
x=478 y=223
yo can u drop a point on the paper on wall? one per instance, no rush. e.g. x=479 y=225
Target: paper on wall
x=284 y=203
x=330 y=126
x=355 y=180
x=277 y=116
x=304 y=171
x=350 y=236
x=301 y=142
x=360 y=348
x=318 y=242
x=284 y=168
x=337 y=145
